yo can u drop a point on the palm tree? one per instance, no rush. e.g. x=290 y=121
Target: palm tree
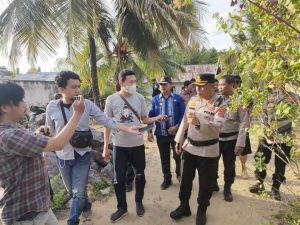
x=38 y=26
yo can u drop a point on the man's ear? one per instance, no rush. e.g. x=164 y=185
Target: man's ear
x=60 y=90
x=4 y=109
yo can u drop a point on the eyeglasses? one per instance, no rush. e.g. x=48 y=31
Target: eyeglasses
x=163 y=84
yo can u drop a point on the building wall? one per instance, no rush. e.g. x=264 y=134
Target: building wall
x=38 y=93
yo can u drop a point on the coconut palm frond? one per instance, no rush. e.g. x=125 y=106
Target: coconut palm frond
x=71 y=17
x=191 y=30
x=27 y=25
x=164 y=21
x=105 y=30
x=139 y=37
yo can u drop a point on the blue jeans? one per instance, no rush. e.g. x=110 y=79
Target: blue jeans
x=75 y=177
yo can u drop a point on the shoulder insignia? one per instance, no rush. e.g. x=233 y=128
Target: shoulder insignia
x=219 y=101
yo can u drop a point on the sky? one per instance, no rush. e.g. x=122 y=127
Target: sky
x=216 y=39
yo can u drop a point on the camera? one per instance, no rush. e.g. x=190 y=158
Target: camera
x=76 y=98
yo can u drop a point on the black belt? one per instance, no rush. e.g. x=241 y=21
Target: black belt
x=203 y=143
x=226 y=135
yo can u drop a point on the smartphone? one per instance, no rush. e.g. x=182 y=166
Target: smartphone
x=76 y=98
x=148 y=127
x=45 y=132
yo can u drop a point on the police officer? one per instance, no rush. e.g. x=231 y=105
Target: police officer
x=233 y=134
x=187 y=91
x=279 y=128
x=203 y=118
x=247 y=150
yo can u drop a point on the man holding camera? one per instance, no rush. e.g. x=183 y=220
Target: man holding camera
x=167 y=103
x=26 y=197
x=127 y=107
x=74 y=158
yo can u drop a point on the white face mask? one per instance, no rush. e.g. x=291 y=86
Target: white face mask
x=131 y=89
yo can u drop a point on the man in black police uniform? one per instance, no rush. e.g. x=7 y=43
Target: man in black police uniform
x=274 y=141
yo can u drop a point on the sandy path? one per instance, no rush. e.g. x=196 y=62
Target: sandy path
x=245 y=209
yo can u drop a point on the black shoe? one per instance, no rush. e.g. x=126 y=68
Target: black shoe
x=201 y=217
x=215 y=187
x=276 y=194
x=129 y=187
x=140 y=210
x=227 y=195
x=257 y=188
x=180 y=212
x=165 y=185
x=119 y=214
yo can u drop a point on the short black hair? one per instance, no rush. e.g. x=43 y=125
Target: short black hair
x=10 y=93
x=237 y=78
x=229 y=79
x=124 y=73
x=62 y=78
x=186 y=83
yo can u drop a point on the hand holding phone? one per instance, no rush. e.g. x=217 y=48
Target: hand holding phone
x=148 y=127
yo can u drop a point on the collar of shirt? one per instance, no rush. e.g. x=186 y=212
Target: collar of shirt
x=6 y=125
x=9 y=125
x=186 y=92
x=170 y=95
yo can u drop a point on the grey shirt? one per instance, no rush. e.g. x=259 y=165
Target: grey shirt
x=237 y=121
x=54 y=119
x=115 y=107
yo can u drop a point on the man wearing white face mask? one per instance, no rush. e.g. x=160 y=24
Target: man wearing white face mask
x=128 y=108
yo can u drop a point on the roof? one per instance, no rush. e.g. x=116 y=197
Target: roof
x=40 y=76
x=192 y=70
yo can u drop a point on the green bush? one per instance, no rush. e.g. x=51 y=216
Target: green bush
x=60 y=199
x=290 y=216
x=98 y=186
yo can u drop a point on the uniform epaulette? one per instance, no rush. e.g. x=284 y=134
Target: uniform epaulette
x=219 y=101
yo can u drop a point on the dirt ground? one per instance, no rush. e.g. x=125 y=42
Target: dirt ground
x=246 y=208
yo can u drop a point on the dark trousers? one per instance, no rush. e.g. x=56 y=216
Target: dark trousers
x=207 y=172
x=129 y=174
x=264 y=153
x=165 y=143
x=121 y=157
x=228 y=156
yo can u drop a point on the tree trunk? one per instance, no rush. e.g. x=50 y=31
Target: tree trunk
x=93 y=62
x=116 y=76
